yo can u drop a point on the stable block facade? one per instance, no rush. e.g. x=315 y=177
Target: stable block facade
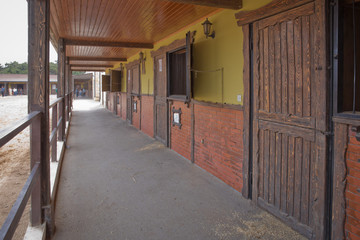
x=257 y=117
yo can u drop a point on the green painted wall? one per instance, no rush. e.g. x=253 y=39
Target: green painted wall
x=217 y=63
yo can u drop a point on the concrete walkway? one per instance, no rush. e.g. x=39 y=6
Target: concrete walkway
x=117 y=183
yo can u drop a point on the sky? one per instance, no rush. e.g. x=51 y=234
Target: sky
x=14 y=32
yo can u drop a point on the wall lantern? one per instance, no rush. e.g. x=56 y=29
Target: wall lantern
x=207 y=29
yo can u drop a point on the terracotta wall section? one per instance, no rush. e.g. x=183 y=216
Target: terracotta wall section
x=147 y=115
x=352 y=192
x=123 y=106
x=219 y=143
x=118 y=105
x=181 y=137
x=136 y=115
x=110 y=101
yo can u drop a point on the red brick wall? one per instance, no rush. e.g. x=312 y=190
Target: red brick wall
x=147 y=115
x=352 y=192
x=136 y=115
x=181 y=137
x=123 y=107
x=219 y=143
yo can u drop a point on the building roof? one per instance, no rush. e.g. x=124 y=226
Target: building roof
x=86 y=76
x=21 y=78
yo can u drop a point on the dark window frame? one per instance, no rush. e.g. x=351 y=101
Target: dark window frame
x=337 y=56
x=169 y=54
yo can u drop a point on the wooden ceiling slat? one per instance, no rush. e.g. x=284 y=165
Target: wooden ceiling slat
x=94 y=18
x=111 y=18
x=88 y=69
x=88 y=17
x=128 y=29
x=69 y=23
x=98 y=43
x=119 y=21
x=91 y=65
x=230 y=4
x=103 y=13
x=55 y=18
x=113 y=59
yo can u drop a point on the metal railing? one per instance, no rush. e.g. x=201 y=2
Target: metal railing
x=32 y=187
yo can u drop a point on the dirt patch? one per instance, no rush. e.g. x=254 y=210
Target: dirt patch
x=259 y=226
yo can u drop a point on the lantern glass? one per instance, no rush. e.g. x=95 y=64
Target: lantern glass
x=207 y=29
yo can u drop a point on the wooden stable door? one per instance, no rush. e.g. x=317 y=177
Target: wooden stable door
x=135 y=92
x=160 y=103
x=286 y=175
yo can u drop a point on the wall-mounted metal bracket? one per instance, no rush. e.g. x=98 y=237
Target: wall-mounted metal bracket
x=135 y=106
x=176 y=117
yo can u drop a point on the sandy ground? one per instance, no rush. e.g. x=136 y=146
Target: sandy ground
x=14 y=160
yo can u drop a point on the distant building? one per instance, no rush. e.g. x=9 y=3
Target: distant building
x=20 y=82
x=84 y=81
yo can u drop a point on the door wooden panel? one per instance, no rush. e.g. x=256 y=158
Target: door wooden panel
x=128 y=108
x=135 y=79
x=160 y=103
x=135 y=91
x=285 y=139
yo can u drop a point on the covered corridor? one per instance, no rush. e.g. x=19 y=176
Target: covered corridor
x=117 y=183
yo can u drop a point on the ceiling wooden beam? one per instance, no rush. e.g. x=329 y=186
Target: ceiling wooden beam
x=73 y=42
x=92 y=66
x=106 y=59
x=229 y=4
x=88 y=69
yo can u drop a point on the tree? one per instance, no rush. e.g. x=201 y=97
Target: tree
x=77 y=73
x=53 y=68
x=22 y=68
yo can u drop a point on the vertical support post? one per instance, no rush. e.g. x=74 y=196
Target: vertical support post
x=61 y=86
x=38 y=98
x=6 y=89
x=54 y=140
x=67 y=82
x=71 y=86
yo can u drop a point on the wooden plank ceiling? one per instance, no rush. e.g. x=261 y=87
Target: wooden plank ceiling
x=118 y=29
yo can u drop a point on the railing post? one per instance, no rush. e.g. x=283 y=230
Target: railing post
x=61 y=133
x=38 y=96
x=54 y=140
x=72 y=100
x=61 y=86
x=66 y=109
x=35 y=156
